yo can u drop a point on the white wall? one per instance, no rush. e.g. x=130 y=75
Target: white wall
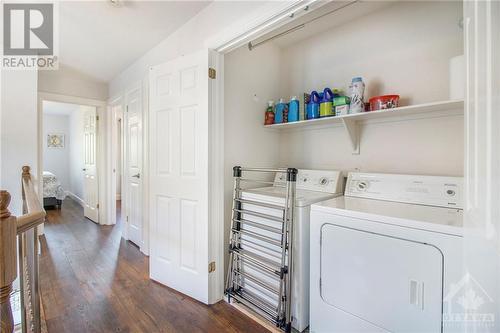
x=18 y=131
x=76 y=161
x=426 y=146
x=57 y=160
x=67 y=81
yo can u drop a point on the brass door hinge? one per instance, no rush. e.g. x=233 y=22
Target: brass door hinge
x=97 y=118
x=97 y=206
x=212 y=73
x=211 y=267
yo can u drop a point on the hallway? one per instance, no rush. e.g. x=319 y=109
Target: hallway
x=91 y=280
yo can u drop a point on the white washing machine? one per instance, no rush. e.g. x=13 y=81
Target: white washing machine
x=312 y=186
x=385 y=257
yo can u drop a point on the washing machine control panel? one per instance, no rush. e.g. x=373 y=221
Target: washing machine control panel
x=315 y=180
x=425 y=190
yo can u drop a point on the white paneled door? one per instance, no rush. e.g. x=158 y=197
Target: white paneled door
x=179 y=138
x=90 y=185
x=134 y=166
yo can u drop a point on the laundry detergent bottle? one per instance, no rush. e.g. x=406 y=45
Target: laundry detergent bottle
x=279 y=115
x=269 y=115
x=293 y=109
x=326 y=104
x=312 y=109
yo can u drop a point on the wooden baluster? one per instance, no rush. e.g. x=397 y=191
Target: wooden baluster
x=8 y=262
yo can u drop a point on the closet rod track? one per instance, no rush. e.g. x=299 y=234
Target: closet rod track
x=252 y=45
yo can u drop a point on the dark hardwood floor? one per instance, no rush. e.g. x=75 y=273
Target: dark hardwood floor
x=94 y=281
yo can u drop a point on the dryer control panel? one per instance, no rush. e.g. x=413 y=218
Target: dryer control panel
x=315 y=180
x=423 y=190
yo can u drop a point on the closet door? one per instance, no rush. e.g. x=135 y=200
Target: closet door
x=134 y=166
x=179 y=154
x=482 y=165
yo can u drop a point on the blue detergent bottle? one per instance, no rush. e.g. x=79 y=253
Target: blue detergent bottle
x=279 y=112
x=312 y=111
x=293 y=109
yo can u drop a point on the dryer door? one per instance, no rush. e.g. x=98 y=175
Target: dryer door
x=392 y=283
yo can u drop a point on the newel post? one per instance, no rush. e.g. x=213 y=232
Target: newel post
x=8 y=261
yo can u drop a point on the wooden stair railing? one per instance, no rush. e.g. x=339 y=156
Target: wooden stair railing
x=8 y=261
x=25 y=228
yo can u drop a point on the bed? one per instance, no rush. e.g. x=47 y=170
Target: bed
x=53 y=193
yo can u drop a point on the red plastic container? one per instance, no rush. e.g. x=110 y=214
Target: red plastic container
x=384 y=102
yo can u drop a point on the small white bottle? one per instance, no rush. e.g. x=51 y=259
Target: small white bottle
x=357 y=91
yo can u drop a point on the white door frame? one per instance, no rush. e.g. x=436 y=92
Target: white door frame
x=102 y=139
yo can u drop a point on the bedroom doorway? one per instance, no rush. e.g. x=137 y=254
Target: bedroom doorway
x=69 y=156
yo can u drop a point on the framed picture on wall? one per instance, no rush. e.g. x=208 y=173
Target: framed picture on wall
x=55 y=140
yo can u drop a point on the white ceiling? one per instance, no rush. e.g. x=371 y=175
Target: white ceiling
x=59 y=109
x=100 y=39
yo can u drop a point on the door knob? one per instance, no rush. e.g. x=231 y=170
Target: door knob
x=137 y=175
x=84 y=169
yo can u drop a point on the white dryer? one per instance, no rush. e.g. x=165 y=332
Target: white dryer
x=312 y=186
x=385 y=257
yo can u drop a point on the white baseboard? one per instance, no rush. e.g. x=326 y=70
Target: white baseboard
x=75 y=197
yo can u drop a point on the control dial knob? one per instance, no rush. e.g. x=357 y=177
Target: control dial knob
x=362 y=185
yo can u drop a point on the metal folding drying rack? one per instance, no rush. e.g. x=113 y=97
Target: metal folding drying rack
x=244 y=259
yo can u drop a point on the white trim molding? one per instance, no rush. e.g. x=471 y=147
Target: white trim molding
x=75 y=197
x=216 y=177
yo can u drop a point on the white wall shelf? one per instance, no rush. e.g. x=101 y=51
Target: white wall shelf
x=352 y=122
